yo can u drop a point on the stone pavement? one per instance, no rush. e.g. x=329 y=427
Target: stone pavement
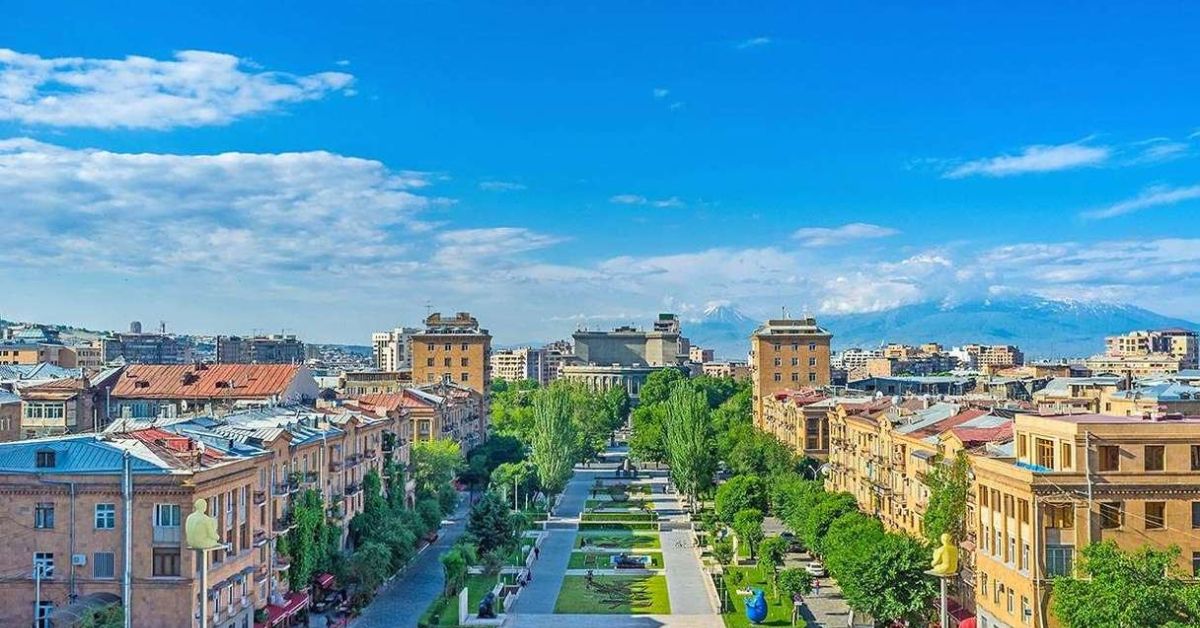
x=548 y=572
x=402 y=601
x=618 y=621
x=685 y=580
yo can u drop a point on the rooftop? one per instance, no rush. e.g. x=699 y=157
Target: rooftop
x=204 y=381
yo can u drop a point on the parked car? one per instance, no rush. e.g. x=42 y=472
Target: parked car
x=816 y=569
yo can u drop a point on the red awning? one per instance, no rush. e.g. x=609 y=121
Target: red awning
x=293 y=603
x=324 y=580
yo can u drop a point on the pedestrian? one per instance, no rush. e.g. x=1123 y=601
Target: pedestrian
x=817 y=588
x=797 y=602
x=537 y=552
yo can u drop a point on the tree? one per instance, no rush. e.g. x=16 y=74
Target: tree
x=658 y=385
x=647 y=443
x=1117 y=589
x=888 y=581
x=816 y=520
x=454 y=566
x=107 y=617
x=553 y=437
x=307 y=543
x=430 y=513
x=434 y=463
x=521 y=475
x=739 y=493
x=688 y=441
x=722 y=550
x=748 y=526
x=848 y=535
x=947 y=509
x=369 y=565
x=793 y=581
x=791 y=495
x=770 y=558
x=490 y=523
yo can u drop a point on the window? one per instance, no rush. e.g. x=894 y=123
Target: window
x=778 y=361
x=1010 y=600
x=1059 y=560
x=1155 y=515
x=103 y=565
x=1154 y=457
x=1195 y=564
x=446 y=362
x=429 y=346
x=777 y=346
x=45 y=562
x=983 y=581
x=447 y=347
x=812 y=346
x=812 y=377
x=1066 y=456
x=166 y=515
x=462 y=377
x=465 y=346
x=778 y=377
x=795 y=377
x=1044 y=449
x=1012 y=549
x=1025 y=556
x=998 y=592
x=41 y=614
x=428 y=361
x=1111 y=515
x=1022 y=446
x=166 y=562
x=466 y=362
x=106 y=516
x=45 y=458
x=812 y=361
x=1195 y=457
x=1196 y=514
x=1061 y=517
x=795 y=361
x=43 y=515
x=1026 y=612
x=1110 y=457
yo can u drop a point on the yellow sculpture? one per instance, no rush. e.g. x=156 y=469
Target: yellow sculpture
x=201 y=529
x=945 y=558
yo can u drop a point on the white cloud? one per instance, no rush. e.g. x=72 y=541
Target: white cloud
x=753 y=42
x=470 y=246
x=674 y=201
x=675 y=106
x=827 y=236
x=1037 y=158
x=628 y=199
x=1157 y=150
x=231 y=212
x=661 y=93
x=195 y=88
x=342 y=62
x=1157 y=196
x=501 y=186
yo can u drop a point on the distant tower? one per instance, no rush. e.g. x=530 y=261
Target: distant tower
x=135 y=327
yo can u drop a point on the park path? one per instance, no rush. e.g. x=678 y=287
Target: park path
x=551 y=567
x=686 y=586
x=402 y=601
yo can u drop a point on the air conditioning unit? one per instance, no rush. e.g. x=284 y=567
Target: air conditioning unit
x=79 y=560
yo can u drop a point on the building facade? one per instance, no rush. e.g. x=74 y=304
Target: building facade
x=392 y=350
x=153 y=390
x=273 y=349
x=453 y=349
x=788 y=353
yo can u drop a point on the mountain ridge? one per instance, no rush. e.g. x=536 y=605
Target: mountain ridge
x=1043 y=328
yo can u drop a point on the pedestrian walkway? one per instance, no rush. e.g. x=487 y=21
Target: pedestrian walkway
x=685 y=581
x=617 y=621
x=402 y=601
x=551 y=567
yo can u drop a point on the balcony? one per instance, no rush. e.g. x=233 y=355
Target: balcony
x=260 y=498
x=335 y=465
x=261 y=572
x=167 y=535
x=311 y=478
x=353 y=489
x=284 y=524
x=336 y=511
x=260 y=537
x=370 y=454
x=282 y=563
x=282 y=489
x=353 y=460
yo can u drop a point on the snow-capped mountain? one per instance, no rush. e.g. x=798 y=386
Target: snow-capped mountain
x=1041 y=327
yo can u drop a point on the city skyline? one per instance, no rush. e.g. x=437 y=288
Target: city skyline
x=539 y=167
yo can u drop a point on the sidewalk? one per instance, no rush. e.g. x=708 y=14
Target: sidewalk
x=541 y=593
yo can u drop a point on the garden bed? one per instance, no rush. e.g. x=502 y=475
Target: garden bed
x=619 y=516
x=614 y=595
x=617 y=527
x=446 y=608
x=778 y=613
x=617 y=540
x=602 y=560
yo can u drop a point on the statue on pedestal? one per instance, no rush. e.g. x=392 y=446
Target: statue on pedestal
x=201 y=529
x=945 y=558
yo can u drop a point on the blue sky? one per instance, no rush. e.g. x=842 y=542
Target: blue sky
x=331 y=169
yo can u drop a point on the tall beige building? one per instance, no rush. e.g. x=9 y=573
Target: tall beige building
x=455 y=349
x=788 y=354
x=392 y=350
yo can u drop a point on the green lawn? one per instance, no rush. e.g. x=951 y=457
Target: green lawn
x=614 y=595
x=620 y=516
x=778 y=614
x=447 y=607
x=601 y=560
x=618 y=540
x=608 y=504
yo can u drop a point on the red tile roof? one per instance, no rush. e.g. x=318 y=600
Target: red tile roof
x=983 y=434
x=172 y=445
x=205 y=381
x=949 y=422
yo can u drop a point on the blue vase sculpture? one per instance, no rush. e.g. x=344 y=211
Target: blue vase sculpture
x=756 y=607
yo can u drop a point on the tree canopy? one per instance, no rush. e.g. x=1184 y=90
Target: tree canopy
x=738 y=493
x=689 y=441
x=434 y=463
x=947 y=509
x=554 y=438
x=1119 y=589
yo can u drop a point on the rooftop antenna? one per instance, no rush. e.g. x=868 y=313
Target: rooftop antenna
x=784 y=308
x=428 y=309
x=162 y=327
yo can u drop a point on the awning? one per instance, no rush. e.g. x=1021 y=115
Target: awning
x=293 y=603
x=324 y=580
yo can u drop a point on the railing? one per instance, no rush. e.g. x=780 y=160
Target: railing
x=282 y=489
x=260 y=537
x=335 y=465
x=283 y=524
x=311 y=477
x=168 y=534
x=371 y=454
x=353 y=489
x=260 y=498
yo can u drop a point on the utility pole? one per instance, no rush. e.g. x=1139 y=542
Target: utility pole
x=127 y=567
x=37 y=593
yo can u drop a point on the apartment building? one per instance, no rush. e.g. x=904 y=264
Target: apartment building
x=787 y=353
x=1181 y=344
x=453 y=349
x=513 y=365
x=1135 y=365
x=358 y=383
x=1071 y=480
x=156 y=390
x=392 y=350
x=988 y=357
x=272 y=349
x=800 y=419
x=701 y=355
x=1076 y=395
x=735 y=370
x=10 y=416
x=136 y=347
x=29 y=353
